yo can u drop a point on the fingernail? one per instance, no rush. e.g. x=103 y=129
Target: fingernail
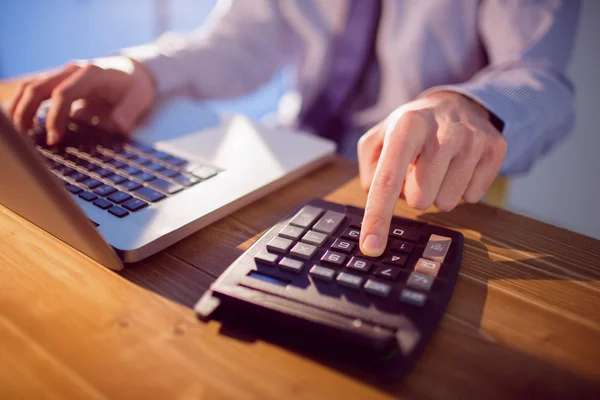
x=51 y=139
x=372 y=245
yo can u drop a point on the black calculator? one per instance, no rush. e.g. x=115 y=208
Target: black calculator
x=308 y=271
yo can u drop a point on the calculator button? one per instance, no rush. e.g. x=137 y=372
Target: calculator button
x=377 y=288
x=349 y=280
x=437 y=248
x=291 y=265
x=329 y=222
x=325 y=274
x=351 y=234
x=360 y=264
x=149 y=195
x=87 y=196
x=104 y=190
x=119 y=197
x=397 y=260
x=412 y=297
x=332 y=257
x=343 y=245
x=202 y=172
x=386 y=272
x=401 y=247
x=306 y=216
x=398 y=232
x=74 y=189
x=102 y=203
x=420 y=281
x=118 y=211
x=279 y=245
x=303 y=250
x=428 y=267
x=291 y=232
x=266 y=258
x=315 y=238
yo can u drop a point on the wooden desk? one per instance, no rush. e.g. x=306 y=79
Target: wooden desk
x=524 y=320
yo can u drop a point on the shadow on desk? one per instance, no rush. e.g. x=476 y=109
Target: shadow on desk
x=462 y=340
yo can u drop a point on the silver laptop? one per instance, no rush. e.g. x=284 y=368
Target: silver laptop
x=120 y=200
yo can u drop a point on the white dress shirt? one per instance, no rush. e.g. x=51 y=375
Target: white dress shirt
x=508 y=55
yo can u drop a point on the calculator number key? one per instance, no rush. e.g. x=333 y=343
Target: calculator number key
x=397 y=260
x=351 y=234
x=400 y=246
x=332 y=257
x=389 y=273
x=360 y=264
x=291 y=265
x=345 y=246
x=409 y=234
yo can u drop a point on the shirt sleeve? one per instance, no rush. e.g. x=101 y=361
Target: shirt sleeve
x=239 y=49
x=528 y=44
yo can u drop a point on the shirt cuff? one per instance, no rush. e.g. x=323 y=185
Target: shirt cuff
x=155 y=57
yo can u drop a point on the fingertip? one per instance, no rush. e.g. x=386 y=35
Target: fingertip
x=372 y=246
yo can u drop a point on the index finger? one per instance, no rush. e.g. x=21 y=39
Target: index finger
x=400 y=146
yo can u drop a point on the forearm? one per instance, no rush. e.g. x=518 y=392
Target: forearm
x=234 y=54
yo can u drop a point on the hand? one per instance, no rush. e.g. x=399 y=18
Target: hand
x=114 y=91
x=433 y=150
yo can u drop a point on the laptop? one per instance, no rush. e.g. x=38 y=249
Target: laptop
x=119 y=200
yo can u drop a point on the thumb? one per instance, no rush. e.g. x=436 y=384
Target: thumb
x=131 y=106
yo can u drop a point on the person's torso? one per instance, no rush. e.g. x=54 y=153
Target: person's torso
x=420 y=44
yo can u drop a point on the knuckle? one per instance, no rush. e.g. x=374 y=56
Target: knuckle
x=385 y=181
x=445 y=203
x=419 y=201
x=373 y=220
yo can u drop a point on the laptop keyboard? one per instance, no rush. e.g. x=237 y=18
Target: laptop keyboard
x=118 y=175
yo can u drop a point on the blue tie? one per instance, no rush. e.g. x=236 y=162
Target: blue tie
x=354 y=51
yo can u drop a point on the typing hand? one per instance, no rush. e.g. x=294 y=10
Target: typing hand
x=433 y=150
x=112 y=91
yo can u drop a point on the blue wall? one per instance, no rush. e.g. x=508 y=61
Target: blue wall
x=40 y=34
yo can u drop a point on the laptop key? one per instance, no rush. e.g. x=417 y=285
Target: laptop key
x=145 y=177
x=104 y=190
x=91 y=183
x=64 y=170
x=78 y=176
x=169 y=173
x=116 y=163
x=103 y=172
x=166 y=186
x=140 y=160
x=102 y=203
x=119 y=197
x=131 y=170
x=87 y=196
x=131 y=185
x=117 y=179
x=155 y=167
x=149 y=194
x=204 y=172
x=90 y=166
x=74 y=189
x=118 y=211
x=134 y=204
x=178 y=162
x=186 y=180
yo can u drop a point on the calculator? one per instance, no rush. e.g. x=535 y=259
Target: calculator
x=308 y=271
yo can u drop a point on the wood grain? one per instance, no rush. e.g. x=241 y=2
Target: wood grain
x=523 y=322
